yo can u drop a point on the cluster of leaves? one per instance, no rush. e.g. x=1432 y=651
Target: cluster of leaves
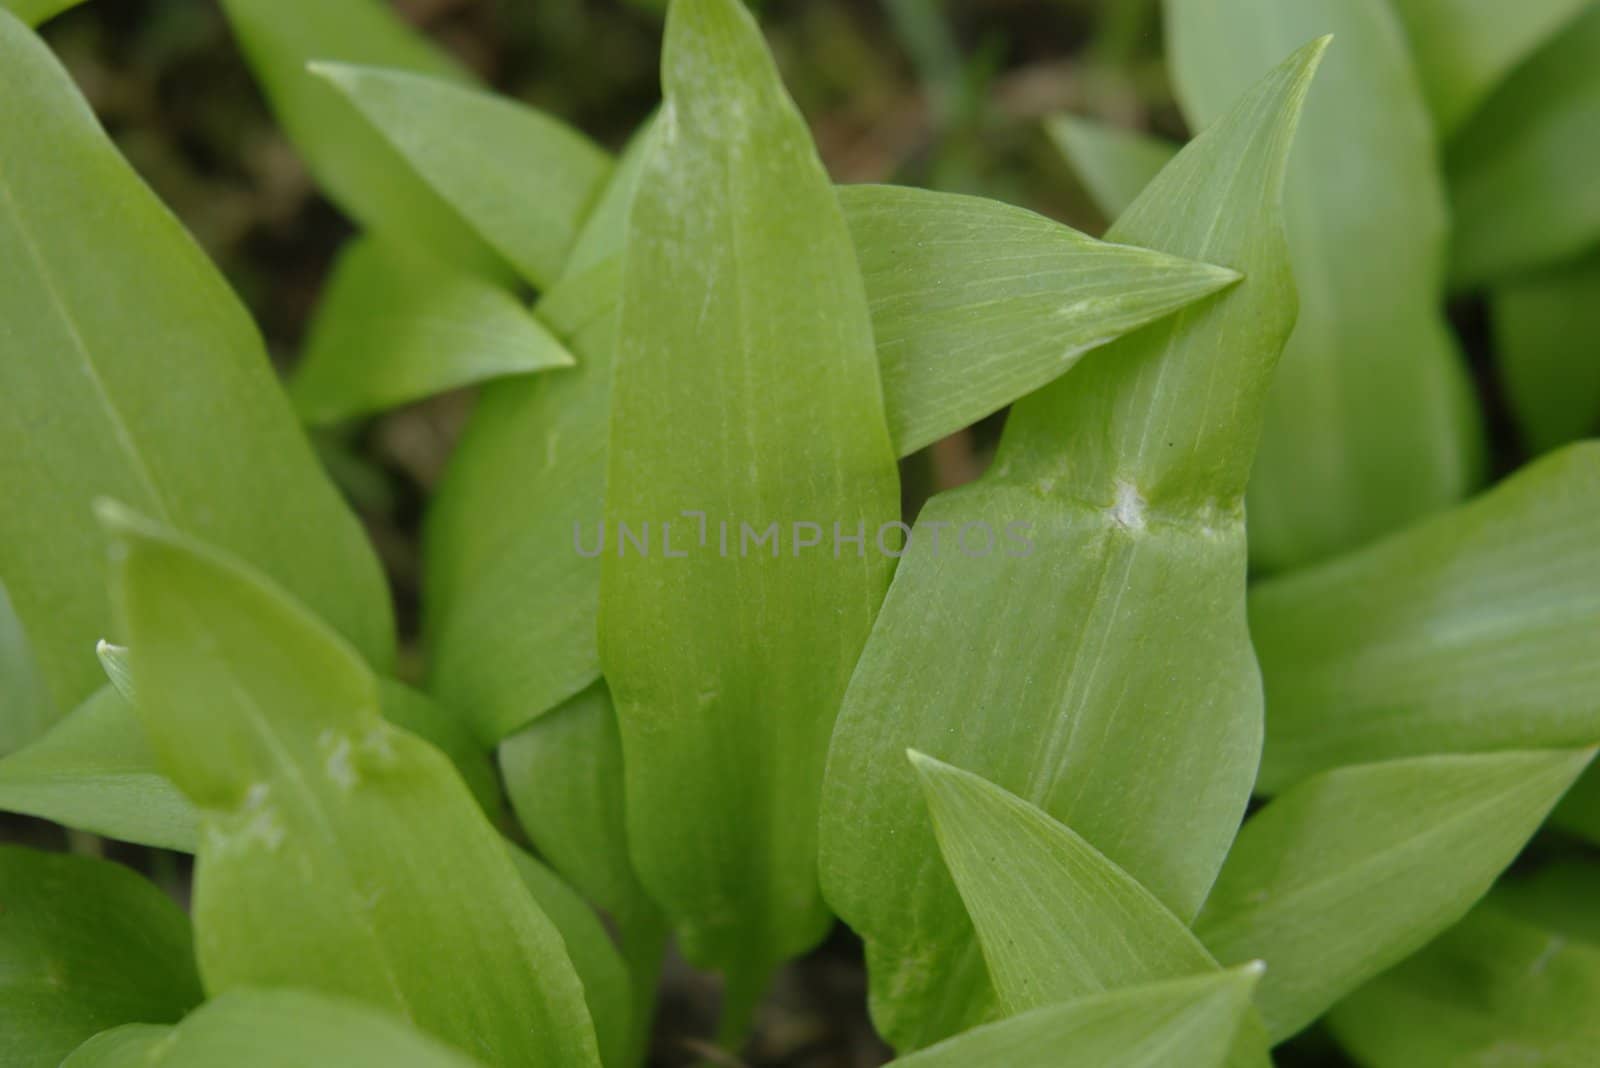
x=1019 y=776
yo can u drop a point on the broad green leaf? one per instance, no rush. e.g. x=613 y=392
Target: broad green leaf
x=95 y=772
x=84 y=945
x=118 y=330
x=1353 y=870
x=1493 y=990
x=1471 y=632
x=1115 y=591
x=1056 y=920
x=1371 y=423
x=975 y=303
x=563 y=774
x=1115 y=164
x=1464 y=48
x=511 y=602
x=33 y=12
x=606 y=987
x=1542 y=324
x=314 y=806
x=525 y=182
x=271 y=1029
x=25 y=708
x=355 y=166
x=1520 y=171
x=1187 y=1021
x=396 y=325
x=742 y=319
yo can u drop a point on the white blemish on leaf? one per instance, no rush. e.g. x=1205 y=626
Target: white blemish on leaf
x=1128 y=510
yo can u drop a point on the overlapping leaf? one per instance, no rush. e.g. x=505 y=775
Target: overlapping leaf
x=727 y=667
x=1492 y=988
x=1464 y=48
x=1541 y=325
x=1472 y=632
x=1096 y=663
x=84 y=945
x=355 y=165
x=33 y=12
x=1185 y=1021
x=1353 y=870
x=396 y=325
x=118 y=330
x=314 y=805
x=25 y=708
x=1520 y=170
x=524 y=181
x=270 y=1029
x=1371 y=423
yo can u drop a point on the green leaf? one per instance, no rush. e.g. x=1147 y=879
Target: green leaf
x=1187 y=1021
x=1558 y=896
x=525 y=182
x=975 y=303
x=1579 y=811
x=314 y=806
x=511 y=603
x=606 y=986
x=357 y=168
x=1494 y=989
x=270 y=1029
x=1372 y=423
x=1055 y=919
x=95 y=772
x=742 y=319
x=1465 y=48
x=114 y=659
x=84 y=945
x=34 y=12
x=1520 y=170
x=118 y=331
x=1471 y=632
x=1116 y=594
x=25 y=708
x=1552 y=377
x=396 y=325
x=563 y=774
x=1115 y=164
x=1353 y=870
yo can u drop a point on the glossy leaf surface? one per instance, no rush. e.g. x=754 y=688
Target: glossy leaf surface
x=1120 y=614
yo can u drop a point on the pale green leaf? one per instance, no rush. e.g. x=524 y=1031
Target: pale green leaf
x=396 y=325
x=118 y=330
x=524 y=181
x=563 y=774
x=1055 y=919
x=25 y=708
x=271 y=1029
x=1543 y=327
x=743 y=318
x=1353 y=870
x=314 y=806
x=1371 y=423
x=1493 y=990
x=1464 y=48
x=352 y=163
x=1471 y=632
x=1521 y=172
x=95 y=772
x=1186 y=1021
x=510 y=601
x=84 y=945
x=975 y=303
x=606 y=987
x=1127 y=700
x=1114 y=163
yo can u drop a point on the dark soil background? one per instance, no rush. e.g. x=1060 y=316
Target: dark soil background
x=913 y=91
